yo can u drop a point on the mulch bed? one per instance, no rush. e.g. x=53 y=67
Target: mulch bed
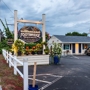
x=9 y=81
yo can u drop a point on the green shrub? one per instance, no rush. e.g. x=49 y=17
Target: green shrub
x=4 y=45
x=55 y=50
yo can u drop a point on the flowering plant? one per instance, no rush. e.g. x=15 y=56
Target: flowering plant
x=55 y=50
x=17 y=46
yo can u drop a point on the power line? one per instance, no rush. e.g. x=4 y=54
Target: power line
x=7 y=6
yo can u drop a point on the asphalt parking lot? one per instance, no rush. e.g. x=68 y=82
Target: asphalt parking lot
x=73 y=73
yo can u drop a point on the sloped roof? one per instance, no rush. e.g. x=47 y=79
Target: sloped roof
x=73 y=38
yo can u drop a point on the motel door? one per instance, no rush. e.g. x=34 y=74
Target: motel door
x=80 y=48
x=73 y=48
x=76 y=48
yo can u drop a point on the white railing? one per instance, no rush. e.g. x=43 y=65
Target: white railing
x=12 y=60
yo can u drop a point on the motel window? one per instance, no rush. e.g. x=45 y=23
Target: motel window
x=88 y=45
x=70 y=46
x=66 y=46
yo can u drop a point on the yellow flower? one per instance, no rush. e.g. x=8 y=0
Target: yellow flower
x=15 y=49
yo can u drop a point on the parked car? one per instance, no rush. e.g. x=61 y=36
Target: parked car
x=87 y=51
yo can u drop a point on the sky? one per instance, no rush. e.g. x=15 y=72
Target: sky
x=62 y=16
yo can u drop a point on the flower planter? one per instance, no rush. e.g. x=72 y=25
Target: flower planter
x=39 y=52
x=33 y=88
x=56 y=60
x=33 y=52
x=19 y=53
x=12 y=52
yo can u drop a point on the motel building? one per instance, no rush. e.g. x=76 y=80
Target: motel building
x=74 y=45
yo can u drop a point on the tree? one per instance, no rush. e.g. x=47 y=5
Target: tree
x=8 y=33
x=75 y=34
x=84 y=34
x=69 y=34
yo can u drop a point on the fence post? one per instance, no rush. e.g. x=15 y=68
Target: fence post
x=9 y=59
x=15 y=65
x=2 y=53
x=7 y=56
x=25 y=74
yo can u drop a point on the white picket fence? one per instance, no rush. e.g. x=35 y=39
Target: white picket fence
x=13 y=61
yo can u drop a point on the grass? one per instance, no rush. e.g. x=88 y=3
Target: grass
x=9 y=81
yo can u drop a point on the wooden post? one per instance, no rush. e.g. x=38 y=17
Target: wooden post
x=15 y=26
x=34 y=74
x=43 y=31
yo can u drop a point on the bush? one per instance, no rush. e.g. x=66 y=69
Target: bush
x=55 y=50
x=4 y=45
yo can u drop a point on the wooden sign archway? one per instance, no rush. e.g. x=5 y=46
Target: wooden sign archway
x=29 y=21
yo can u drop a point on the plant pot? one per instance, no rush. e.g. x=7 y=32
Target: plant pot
x=12 y=52
x=39 y=52
x=56 y=59
x=33 y=52
x=19 y=53
x=46 y=53
x=33 y=88
x=27 y=53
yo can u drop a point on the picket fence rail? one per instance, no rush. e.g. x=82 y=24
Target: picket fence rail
x=13 y=61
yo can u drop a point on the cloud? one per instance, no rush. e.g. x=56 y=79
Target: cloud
x=65 y=15
x=72 y=24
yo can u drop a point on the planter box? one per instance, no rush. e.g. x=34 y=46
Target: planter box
x=40 y=59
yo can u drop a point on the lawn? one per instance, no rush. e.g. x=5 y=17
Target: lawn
x=9 y=81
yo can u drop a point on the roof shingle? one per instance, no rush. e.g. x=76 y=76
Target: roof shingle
x=73 y=38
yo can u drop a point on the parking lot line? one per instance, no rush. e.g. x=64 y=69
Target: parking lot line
x=42 y=88
x=39 y=74
x=54 y=75
x=76 y=57
x=48 y=83
x=46 y=74
x=40 y=80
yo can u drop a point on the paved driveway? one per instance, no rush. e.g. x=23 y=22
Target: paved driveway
x=72 y=74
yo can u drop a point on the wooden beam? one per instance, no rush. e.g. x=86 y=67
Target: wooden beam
x=29 y=21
